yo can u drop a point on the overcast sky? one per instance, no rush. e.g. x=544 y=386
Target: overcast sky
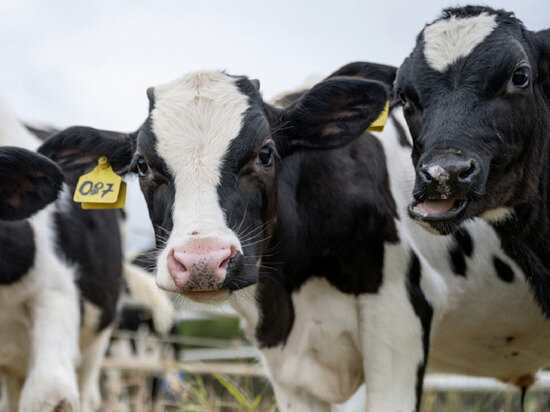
x=90 y=62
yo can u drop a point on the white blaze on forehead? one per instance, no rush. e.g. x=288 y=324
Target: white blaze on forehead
x=448 y=40
x=195 y=119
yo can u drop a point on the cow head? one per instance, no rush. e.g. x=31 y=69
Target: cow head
x=474 y=98
x=28 y=182
x=207 y=158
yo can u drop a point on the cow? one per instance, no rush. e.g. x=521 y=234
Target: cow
x=284 y=212
x=61 y=270
x=243 y=193
x=475 y=93
x=486 y=321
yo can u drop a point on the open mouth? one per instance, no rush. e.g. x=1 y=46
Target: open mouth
x=437 y=210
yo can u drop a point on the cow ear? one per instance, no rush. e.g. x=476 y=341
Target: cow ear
x=330 y=115
x=29 y=183
x=78 y=148
x=369 y=71
x=256 y=84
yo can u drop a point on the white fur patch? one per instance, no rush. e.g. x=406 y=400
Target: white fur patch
x=448 y=40
x=498 y=214
x=143 y=289
x=195 y=119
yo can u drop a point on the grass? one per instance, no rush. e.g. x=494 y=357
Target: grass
x=187 y=392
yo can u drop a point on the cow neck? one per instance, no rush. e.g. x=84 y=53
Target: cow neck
x=525 y=236
x=335 y=213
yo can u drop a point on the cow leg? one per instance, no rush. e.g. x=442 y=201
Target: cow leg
x=11 y=391
x=51 y=382
x=289 y=399
x=90 y=368
x=394 y=346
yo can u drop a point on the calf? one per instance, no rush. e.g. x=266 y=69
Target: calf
x=60 y=273
x=241 y=192
x=475 y=96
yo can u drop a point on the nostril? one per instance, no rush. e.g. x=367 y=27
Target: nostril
x=231 y=253
x=225 y=263
x=468 y=172
x=426 y=174
x=177 y=262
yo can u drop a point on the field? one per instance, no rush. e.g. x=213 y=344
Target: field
x=216 y=370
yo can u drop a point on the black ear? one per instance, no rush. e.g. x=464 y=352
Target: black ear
x=256 y=84
x=78 y=148
x=330 y=115
x=151 y=98
x=28 y=183
x=369 y=71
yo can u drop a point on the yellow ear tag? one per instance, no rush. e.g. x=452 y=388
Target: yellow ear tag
x=380 y=122
x=102 y=188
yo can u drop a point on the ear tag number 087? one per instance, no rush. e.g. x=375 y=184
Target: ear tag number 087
x=102 y=188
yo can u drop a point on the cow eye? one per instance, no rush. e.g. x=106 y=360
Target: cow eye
x=265 y=157
x=142 y=167
x=521 y=77
x=402 y=97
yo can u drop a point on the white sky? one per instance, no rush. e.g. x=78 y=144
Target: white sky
x=90 y=62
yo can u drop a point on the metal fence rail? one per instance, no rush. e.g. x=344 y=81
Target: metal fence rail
x=154 y=355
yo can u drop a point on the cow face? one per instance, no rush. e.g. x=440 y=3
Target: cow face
x=28 y=182
x=207 y=159
x=474 y=100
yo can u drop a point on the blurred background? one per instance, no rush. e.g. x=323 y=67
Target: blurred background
x=90 y=62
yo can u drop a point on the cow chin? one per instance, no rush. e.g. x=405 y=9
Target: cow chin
x=440 y=223
x=439 y=228
x=211 y=297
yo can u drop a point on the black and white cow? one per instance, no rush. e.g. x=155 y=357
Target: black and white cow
x=475 y=94
x=241 y=192
x=60 y=277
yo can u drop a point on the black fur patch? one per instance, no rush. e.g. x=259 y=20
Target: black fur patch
x=147 y=260
x=91 y=240
x=17 y=250
x=504 y=271
x=402 y=135
x=424 y=311
x=462 y=247
x=316 y=236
